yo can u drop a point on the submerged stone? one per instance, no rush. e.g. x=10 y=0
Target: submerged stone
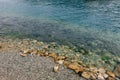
x=117 y=71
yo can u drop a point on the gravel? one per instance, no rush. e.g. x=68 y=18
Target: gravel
x=15 y=67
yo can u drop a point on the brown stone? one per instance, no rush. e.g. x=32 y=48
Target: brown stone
x=66 y=63
x=56 y=68
x=35 y=52
x=110 y=78
x=93 y=76
x=100 y=76
x=76 y=67
x=117 y=71
x=40 y=53
x=53 y=55
x=30 y=51
x=45 y=54
x=93 y=69
x=86 y=75
x=23 y=55
x=25 y=50
x=111 y=74
x=79 y=70
x=60 y=57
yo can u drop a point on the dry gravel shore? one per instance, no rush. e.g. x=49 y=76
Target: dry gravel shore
x=15 y=67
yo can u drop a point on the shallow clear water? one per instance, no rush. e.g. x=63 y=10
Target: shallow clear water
x=89 y=23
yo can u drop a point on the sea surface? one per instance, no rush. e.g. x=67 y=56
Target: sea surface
x=90 y=24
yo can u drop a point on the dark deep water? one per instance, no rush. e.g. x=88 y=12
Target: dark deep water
x=92 y=24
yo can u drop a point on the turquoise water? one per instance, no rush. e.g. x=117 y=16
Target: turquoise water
x=93 y=24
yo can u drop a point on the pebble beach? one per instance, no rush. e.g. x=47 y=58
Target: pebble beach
x=50 y=61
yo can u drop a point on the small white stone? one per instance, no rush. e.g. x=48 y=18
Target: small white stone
x=60 y=61
x=56 y=68
x=101 y=70
x=105 y=76
x=100 y=77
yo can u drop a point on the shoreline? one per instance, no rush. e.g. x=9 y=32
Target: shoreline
x=29 y=46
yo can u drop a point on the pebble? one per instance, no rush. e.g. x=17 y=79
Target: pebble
x=117 y=71
x=110 y=78
x=76 y=67
x=102 y=70
x=100 y=77
x=56 y=68
x=105 y=76
x=86 y=75
x=23 y=55
x=60 y=61
x=66 y=63
x=25 y=50
x=111 y=74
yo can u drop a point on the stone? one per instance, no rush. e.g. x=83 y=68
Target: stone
x=105 y=76
x=102 y=70
x=93 y=69
x=86 y=75
x=35 y=52
x=60 y=61
x=111 y=74
x=56 y=68
x=60 y=57
x=79 y=70
x=46 y=53
x=46 y=47
x=117 y=71
x=53 y=55
x=66 y=63
x=41 y=53
x=93 y=76
x=23 y=55
x=76 y=67
x=25 y=50
x=110 y=78
x=100 y=77
x=34 y=41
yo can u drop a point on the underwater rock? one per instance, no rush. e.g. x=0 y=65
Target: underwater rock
x=100 y=76
x=102 y=70
x=117 y=71
x=105 y=76
x=111 y=74
x=93 y=76
x=110 y=78
x=93 y=69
